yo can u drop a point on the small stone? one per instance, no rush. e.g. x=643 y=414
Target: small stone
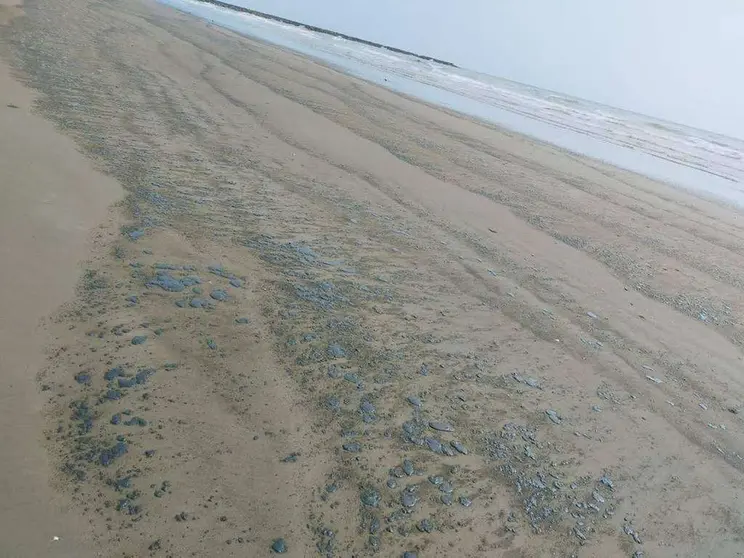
x=113 y=395
x=408 y=468
x=425 y=526
x=352 y=447
x=413 y=400
x=336 y=351
x=598 y=497
x=139 y=339
x=607 y=482
x=433 y=444
x=441 y=426
x=446 y=499
x=553 y=416
x=408 y=499
x=370 y=497
x=242 y=321
x=459 y=447
x=199 y=303
x=410 y=555
x=211 y=344
x=446 y=487
x=465 y=501
x=279 y=546
x=127 y=382
x=83 y=378
x=113 y=373
x=235 y=282
x=219 y=295
x=392 y=484
x=291 y=458
x=436 y=480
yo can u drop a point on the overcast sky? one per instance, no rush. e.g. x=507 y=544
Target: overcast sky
x=681 y=60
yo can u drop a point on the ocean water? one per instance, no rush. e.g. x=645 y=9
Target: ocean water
x=702 y=162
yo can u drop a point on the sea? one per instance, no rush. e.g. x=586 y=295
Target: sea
x=705 y=163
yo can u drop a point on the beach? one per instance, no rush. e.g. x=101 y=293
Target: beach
x=252 y=304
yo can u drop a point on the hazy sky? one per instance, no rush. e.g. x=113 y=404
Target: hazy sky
x=676 y=59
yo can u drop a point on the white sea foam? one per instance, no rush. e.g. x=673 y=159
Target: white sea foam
x=694 y=159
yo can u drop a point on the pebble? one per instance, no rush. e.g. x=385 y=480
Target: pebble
x=352 y=447
x=242 y=321
x=413 y=400
x=410 y=555
x=127 y=382
x=190 y=281
x=333 y=404
x=425 y=526
x=167 y=283
x=459 y=447
x=607 y=482
x=336 y=351
x=434 y=444
x=235 y=282
x=291 y=458
x=370 y=497
x=132 y=299
x=113 y=395
x=553 y=416
x=279 y=546
x=211 y=344
x=136 y=234
x=408 y=468
x=436 y=480
x=465 y=501
x=441 y=426
x=392 y=484
x=408 y=499
x=110 y=455
x=446 y=499
x=446 y=487
x=139 y=339
x=198 y=303
x=116 y=419
x=113 y=373
x=143 y=374
x=219 y=295
x=82 y=378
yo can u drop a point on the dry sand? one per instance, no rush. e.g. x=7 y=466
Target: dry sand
x=380 y=250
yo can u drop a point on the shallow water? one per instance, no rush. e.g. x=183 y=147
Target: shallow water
x=696 y=160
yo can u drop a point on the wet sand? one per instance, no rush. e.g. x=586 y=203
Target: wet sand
x=331 y=314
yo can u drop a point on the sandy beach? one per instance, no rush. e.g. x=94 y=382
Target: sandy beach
x=251 y=302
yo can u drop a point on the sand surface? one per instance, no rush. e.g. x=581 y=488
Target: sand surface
x=334 y=315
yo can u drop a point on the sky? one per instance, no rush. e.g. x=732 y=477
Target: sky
x=680 y=60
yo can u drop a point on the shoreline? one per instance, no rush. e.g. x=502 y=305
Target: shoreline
x=672 y=170
x=343 y=318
